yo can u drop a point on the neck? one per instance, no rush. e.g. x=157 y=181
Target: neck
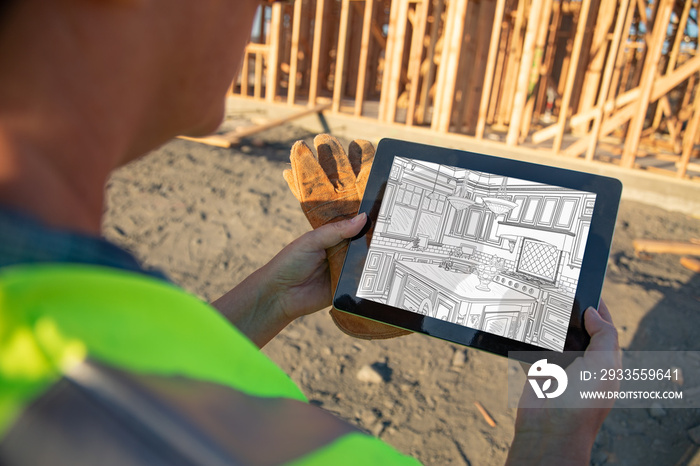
x=37 y=182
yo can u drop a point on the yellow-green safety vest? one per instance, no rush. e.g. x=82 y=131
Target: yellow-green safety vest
x=54 y=317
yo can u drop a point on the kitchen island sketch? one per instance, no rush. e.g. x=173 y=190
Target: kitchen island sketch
x=485 y=251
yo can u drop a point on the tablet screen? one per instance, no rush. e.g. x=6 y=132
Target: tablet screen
x=481 y=250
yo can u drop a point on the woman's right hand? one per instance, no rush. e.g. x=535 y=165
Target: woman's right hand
x=546 y=432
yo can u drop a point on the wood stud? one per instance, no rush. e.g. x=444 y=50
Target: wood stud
x=526 y=71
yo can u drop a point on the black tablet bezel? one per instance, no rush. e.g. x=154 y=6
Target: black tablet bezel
x=593 y=268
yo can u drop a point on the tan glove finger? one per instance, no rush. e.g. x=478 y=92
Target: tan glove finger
x=364 y=152
x=360 y=152
x=334 y=161
x=311 y=180
x=291 y=180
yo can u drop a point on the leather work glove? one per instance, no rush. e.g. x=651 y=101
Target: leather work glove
x=330 y=189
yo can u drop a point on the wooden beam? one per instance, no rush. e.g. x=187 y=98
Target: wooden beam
x=364 y=53
x=294 y=56
x=654 y=246
x=691 y=263
x=571 y=76
x=376 y=49
x=429 y=76
x=216 y=141
x=596 y=64
x=661 y=86
x=414 y=61
x=352 y=61
x=467 y=69
x=675 y=50
x=578 y=146
x=487 y=417
x=388 y=54
x=316 y=52
x=257 y=90
x=549 y=55
x=646 y=86
x=607 y=78
x=339 y=81
x=536 y=75
x=273 y=41
x=689 y=138
x=511 y=71
x=452 y=42
x=498 y=73
x=257 y=48
x=244 y=74
x=533 y=24
x=487 y=11
x=490 y=67
x=584 y=59
x=234 y=137
x=545 y=133
x=645 y=24
x=395 y=61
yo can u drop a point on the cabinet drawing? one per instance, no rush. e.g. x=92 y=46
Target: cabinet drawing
x=480 y=250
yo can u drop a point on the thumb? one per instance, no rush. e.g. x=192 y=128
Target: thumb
x=603 y=333
x=292 y=183
x=329 y=235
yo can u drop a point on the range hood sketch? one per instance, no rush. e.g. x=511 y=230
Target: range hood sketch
x=539 y=260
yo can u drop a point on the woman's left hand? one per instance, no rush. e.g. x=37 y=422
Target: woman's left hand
x=294 y=283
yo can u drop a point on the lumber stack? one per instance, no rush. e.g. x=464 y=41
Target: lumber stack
x=646 y=247
x=603 y=80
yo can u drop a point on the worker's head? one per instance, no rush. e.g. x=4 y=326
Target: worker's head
x=160 y=65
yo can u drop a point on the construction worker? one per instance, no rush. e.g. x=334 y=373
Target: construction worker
x=104 y=362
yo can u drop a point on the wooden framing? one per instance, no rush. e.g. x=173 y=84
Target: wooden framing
x=364 y=54
x=571 y=75
x=273 y=54
x=521 y=89
x=607 y=77
x=294 y=55
x=673 y=56
x=511 y=65
x=648 y=77
x=490 y=67
x=414 y=63
x=594 y=70
x=525 y=71
x=339 y=82
x=449 y=62
x=316 y=54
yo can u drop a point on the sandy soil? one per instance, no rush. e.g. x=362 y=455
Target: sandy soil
x=209 y=217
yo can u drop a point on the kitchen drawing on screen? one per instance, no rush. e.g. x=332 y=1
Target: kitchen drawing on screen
x=485 y=251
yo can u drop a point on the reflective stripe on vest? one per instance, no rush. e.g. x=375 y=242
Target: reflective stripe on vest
x=54 y=316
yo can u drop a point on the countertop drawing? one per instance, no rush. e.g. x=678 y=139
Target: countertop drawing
x=463 y=285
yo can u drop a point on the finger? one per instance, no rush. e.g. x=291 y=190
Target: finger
x=603 y=334
x=331 y=234
x=334 y=161
x=310 y=177
x=288 y=176
x=364 y=152
x=360 y=152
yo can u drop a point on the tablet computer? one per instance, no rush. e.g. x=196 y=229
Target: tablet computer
x=492 y=253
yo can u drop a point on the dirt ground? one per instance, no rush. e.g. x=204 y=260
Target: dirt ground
x=209 y=217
